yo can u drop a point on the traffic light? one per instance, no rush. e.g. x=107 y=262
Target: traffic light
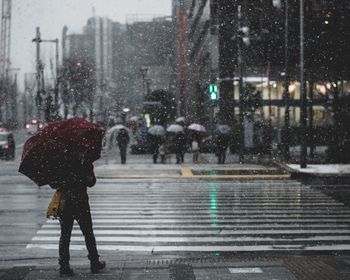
x=213 y=92
x=244 y=34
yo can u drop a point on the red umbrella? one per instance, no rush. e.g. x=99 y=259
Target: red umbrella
x=48 y=153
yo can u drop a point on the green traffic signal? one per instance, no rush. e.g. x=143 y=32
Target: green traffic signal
x=213 y=91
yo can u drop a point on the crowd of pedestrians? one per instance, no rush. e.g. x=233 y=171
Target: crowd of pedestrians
x=161 y=147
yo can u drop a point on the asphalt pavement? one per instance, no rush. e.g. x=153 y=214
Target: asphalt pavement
x=188 y=221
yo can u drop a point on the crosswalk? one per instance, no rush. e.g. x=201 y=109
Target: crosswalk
x=208 y=216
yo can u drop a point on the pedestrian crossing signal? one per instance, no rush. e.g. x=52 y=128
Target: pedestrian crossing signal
x=213 y=92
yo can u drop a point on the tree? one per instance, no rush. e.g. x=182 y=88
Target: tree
x=81 y=85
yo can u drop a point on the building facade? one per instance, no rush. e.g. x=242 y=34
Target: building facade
x=106 y=61
x=228 y=40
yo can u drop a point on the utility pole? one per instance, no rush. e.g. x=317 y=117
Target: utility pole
x=40 y=79
x=38 y=98
x=181 y=29
x=286 y=84
x=303 y=104
x=241 y=86
x=56 y=87
x=5 y=40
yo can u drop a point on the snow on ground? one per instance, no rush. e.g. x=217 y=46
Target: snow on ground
x=323 y=168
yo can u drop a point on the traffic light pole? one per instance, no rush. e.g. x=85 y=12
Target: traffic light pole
x=241 y=88
x=303 y=111
x=286 y=85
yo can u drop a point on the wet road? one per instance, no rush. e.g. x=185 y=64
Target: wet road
x=168 y=216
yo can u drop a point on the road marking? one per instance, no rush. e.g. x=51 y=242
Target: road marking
x=209 y=217
x=186 y=172
x=204 y=177
x=245 y=270
x=77 y=236
x=155 y=249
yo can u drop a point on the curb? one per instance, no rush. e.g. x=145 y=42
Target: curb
x=203 y=177
x=315 y=177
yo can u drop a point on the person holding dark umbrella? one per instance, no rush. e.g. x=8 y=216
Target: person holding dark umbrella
x=61 y=155
x=222 y=138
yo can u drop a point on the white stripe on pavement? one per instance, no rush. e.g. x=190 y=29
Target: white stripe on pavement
x=161 y=239
x=144 y=232
x=154 y=249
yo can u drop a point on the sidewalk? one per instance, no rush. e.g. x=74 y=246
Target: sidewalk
x=319 y=173
x=249 y=267
x=142 y=167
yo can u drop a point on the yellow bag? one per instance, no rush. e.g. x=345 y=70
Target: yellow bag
x=56 y=205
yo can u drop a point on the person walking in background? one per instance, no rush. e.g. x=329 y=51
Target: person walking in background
x=162 y=153
x=195 y=150
x=180 y=147
x=77 y=178
x=123 y=141
x=221 y=143
x=155 y=143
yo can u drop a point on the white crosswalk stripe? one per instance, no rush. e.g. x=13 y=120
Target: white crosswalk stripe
x=206 y=216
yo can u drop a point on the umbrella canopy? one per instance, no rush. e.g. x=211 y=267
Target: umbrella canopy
x=175 y=128
x=156 y=130
x=117 y=128
x=58 y=145
x=222 y=129
x=180 y=120
x=197 y=127
x=134 y=119
x=114 y=130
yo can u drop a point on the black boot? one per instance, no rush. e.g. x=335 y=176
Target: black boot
x=97 y=265
x=65 y=270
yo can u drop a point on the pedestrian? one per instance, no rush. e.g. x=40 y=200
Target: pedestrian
x=123 y=141
x=195 y=150
x=162 y=153
x=77 y=177
x=221 y=147
x=155 y=142
x=180 y=147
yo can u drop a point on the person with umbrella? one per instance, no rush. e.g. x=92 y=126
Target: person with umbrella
x=222 y=137
x=123 y=141
x=179 y=141
x=156 y=134
x=180 y=147
x=197 y=131
x=61 y=155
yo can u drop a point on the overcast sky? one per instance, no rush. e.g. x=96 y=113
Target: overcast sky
x=52 y=15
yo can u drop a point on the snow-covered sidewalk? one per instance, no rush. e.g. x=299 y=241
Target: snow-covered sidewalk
x=333 y=169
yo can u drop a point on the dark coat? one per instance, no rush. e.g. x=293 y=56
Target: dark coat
x=180 y=143
x=123 y=138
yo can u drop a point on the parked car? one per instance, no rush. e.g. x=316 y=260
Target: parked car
x=7 y=145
